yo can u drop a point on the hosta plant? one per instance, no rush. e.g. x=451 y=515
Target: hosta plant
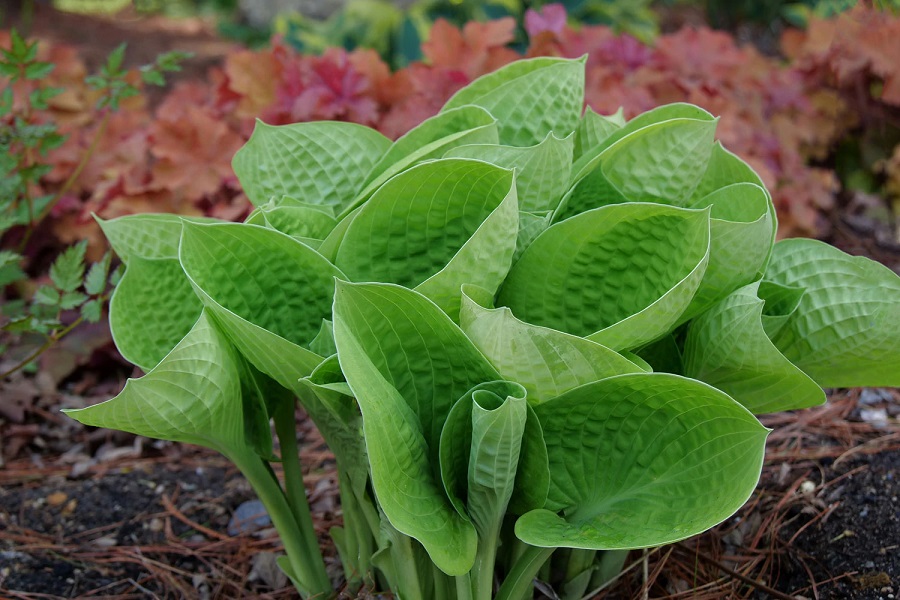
x=533 y=338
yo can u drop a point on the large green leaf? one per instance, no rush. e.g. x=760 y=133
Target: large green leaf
x=595 y=129
x=303 y=222
x=465 y=429
x=321 y=163
x=530 y=98
x=845 y=330
x=149 y=236
x=546 y=362
x=415 y=346
x=678 y=110
x=269 y=291
x=642 y=460
x=727 y=347
x=151 y=310
x=193 y=396
x=662 y=162
x=407 y=363
x=741 y=230
x=430 y=139
x=542 y=171
x=436 y=226
x=621 y=275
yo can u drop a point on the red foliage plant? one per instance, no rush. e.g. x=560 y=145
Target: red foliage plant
x=178 y=158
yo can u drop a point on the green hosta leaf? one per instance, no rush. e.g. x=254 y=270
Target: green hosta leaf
x=726 y=169
x=546 y=362
x=329 y=402
x=531 y=225
x=193 y=396
x=845 y=330
x=322 y=163
x=429 y=140
x=493 y=456
x=150 y=236
x=151 y=310
x=463 y=470
x=542 y=171
x=529 y=98
x=594 y=129
x=268 y=291
x=406 y=363
x=727 y=347
x=662 y=162
x=642 y=460
x=741 y=230
x=323 y=343
x=436 y=226
x=621 y=275
x=415 y=346
x=67 y=271
x=781 y=302
x=667 y=112
x=302 y=223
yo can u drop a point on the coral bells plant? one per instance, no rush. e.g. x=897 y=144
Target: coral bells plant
x=523 y=331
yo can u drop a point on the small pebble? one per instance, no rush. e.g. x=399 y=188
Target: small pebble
x=869 y=564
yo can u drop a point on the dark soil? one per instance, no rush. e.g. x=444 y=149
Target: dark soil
x=89 y=537
x=855 y=546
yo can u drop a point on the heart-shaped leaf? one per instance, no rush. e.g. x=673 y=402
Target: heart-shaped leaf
x=269 y=292
x=621 y=275
x=546 y=362
x=642 y=460
x=529 y=98
x=407 y=363
x=322 y=163
x=542 y=171
x=846 y=328
x=727 y=347
x=151 y=310
x=434 y=227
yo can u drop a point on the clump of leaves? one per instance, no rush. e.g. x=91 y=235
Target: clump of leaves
x=519 y=328
x=27 y=138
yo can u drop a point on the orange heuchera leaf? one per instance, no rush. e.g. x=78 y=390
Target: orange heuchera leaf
x=193 y=152
x=478 y=49
x=253 y=77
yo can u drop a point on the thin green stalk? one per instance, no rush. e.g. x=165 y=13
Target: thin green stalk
x=286 y=430
x=85 y=158
x=464 y=587
x=519 y=580
x=578 y=574
x=482 y=573
x=608 y=567
x=52 y=339
x=409 y=586
x=308 y=570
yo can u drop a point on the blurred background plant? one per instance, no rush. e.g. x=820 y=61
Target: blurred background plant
x=40 y=308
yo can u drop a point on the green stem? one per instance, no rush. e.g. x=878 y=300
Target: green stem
x=408 y=585
x=85 y=157
x=519 y=580
x=286 y=430
x=308 y=570
x=482 y=573
x=578 y=575
x=464 y=587
x=52 y=339
x=609 y=567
